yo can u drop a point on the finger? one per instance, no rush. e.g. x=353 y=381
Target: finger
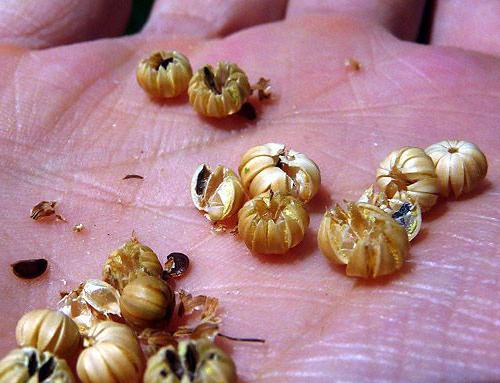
x=401 y=17
x=46 y=23
x=210 y=18
x=469 y=25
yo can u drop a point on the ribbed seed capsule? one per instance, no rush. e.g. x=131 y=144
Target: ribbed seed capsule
x=272 y=223
x=112 y=355
x=127 y=262
x=285 y=171
x=197 y=361
x=365 y=238
x=49 y=330
x=164 y=74
x=409 y=169
x=218 y=193
x=219 y=91
x=460 y=166
x=147 y=302
x=29 y=365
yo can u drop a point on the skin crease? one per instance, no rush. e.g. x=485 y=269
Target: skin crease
x=73 y=122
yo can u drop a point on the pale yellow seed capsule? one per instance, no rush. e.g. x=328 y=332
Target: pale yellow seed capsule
x=220 y=91
x=147 y=302
x=48 y=330
x=285 y=171
x=164 y=74
x=127 y=262
x=29 y=365
x=409 y=169
x=272 y=223
x=364 y=238
x=218 y=193
x=460 y=166
x=112 y=355
x=201 y=359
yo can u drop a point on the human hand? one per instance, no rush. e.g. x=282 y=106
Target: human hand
x=73 y=122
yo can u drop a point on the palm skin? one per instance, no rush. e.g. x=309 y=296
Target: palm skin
x=74 y=122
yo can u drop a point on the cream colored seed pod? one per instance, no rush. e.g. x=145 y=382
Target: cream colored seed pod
x=48 y=330
x=164 y=74
x=272 y=223
x=218 y=193
x=364 y=238
x=147 y=302
x=112 y=355
x=220 y=91
x=127 y=262
x=460 y=166
x=29 y=365
x=409 y=169
x=285 y=171
x=195 y=361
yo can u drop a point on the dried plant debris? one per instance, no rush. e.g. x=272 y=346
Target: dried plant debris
x=133 y=176
x=352 y=64
x=175 y=266
x=29 y=268
x=206 y=305
x=45 y=209
x=79 y=227
x=263 y=88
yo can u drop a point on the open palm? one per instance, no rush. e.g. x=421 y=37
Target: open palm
x=73 y=122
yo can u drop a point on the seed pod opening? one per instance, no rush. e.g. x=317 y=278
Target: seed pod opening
x=218 y=193
x=460 y=166
x=410 y=170
x=285 y=171
x=365 y=238
x=164 y=74
x=272 y=223
x=220 y=91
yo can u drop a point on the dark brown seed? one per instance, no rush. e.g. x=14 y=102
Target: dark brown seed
x=191 y=360
x=29 y=268
x=136 y=176
x=43 y=209
x=201 y=180
x=165 y=63
x=248 y=111
x=32 y=364
x=176 y=265
x=46 y=369
x=174 y=363
x=210 y=80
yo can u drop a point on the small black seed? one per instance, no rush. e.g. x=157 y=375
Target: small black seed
x=29 y=268
x=166 y=62
x=32 y=364
x=210 y=80
x=248 y=111
x=136 y=176
x=46 y=369
x=163 y=373
x=191 y=360
x=179 y=262
x=174 y=363
x=201 y=181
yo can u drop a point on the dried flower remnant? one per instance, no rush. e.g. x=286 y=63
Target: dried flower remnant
x=30 y=365
x=164 y=74
x=285 y=171
x=45 y=209
x=133 y=176
x=352 y=64
x=48 y=330
x=207 y=305
x=218 y=193
x=411 y=170
x=112 y=354
x=198 y=361
x=79 y=227
x=365 y=238
x=129 y=261
x=29 y=268
x=263 y=88
x=460 y=166
x=272 y=223
x=175 y=266
x=220 y=91
x=92 y=302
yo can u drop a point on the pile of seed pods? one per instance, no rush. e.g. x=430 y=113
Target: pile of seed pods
x=109 y=327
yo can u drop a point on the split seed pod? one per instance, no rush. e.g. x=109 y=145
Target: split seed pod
x=220 y=91
x=409 y=169
x=29 y=365
x=147 y=302
x=49 y=330
x=112 y=355
x=285 y=171
x=460 y=166
x=219 y=193
x=365 y=238
x=164 y=74
x=127 y=262
x=272 y=223
x=194 y=361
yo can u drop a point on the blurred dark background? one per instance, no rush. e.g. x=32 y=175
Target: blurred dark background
x=140 y=13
